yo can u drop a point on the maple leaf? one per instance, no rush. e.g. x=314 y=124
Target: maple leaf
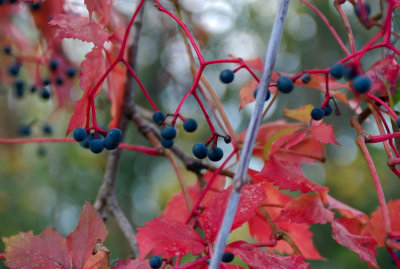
x=288 y=177
x=323 y=133
x=168 y=238
x=260 y=259
x=385 y=71
x=81 y=28
x=376 y=226
x=132 y=264
x=88 y=232
x=306 y=208
x=302 y=113
x=251 y=197
x=363 y=245
x=47 y=250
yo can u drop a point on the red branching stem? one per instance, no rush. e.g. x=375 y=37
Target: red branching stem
x=204 y=112
x=389 y=110
x=375 y=178
x=388 y=23
x=178 y=261
x=145 y=92
x=92 y=105
x=185 y=29
x=328 y=24
x=251 y=72
x=209 y=184
x=348 y=27
x=141 y=149
x=36 y=140
x=381 y=138
x=220 y=61
x=266 y=244
x=327 y=94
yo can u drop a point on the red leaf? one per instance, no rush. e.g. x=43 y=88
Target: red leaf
x=346 y=210
x=47 y=250
x=82 y=240
x=288 y=177
x=93 y=67
x=80 y=28
x=78 y=118
x=388 y=69
x=132 y=264
x=246 y=93
x=256 y=258
x=255 y=63
x=251 y=197
x=324 y=134
x=318 y=82
x=376 y=226
x=306 y=208
x=169 y=239
x=363 y=245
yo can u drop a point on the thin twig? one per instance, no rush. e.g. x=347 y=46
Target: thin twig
x=240 y=176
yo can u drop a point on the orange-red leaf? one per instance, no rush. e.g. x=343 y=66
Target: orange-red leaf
x=80 y=28
x=132 y=264
x=302 y=113
x=88 y=232
x=246 y=93
x=251 y=197
x=93 y=67
x=384 y=75
x=306 y=208
x=168 y=238
x=345 y=210
x=363 y=245
x=47 y=250
x=256 y=258
x=324 y=134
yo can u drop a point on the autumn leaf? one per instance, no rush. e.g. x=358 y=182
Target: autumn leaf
x=251 y=197
x=81 y=28
x=288 y=177
x=384 y=75
x=47 y=250
x=168 y=238
x=324 y=133
x=306 y=208
x=302 y=114
x=246 y=93
x=345 y=210
x=255 y=63
x=256 y=258
x=132 y=264
x=88 y=232
x=363 y=245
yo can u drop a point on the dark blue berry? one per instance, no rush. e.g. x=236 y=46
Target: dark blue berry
x=190 y=125
x=33 y=88
x=46 y=81
x=53 y=64
x=109 y=144
x=12 y=1
x=96 y=145
x=25 y=130
x=357 y=9
x=158 y=117
x=215 y=154
x=167 y=143
x=317 y=113
x=47 y=129
x=226 y=76
x=337 y=70
x=327 y=110
x=60 y=81
x=168 y=132
x=155 y=262
x=70 y=72
x=200 y=150
x=45 y=93
x=14 y=69
x=36 y=6
x=41 y=152
x=19 y=84
x=362 y=84
x=227 y=257
x=80 y=134
x=85 y=143
x=227 y=139
x=306 y=78
x=7 y=50
x=115 y=135
x=284 y=84
x=266 y=97
x=19 y=90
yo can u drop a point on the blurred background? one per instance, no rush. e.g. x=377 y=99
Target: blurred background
x=47 y=184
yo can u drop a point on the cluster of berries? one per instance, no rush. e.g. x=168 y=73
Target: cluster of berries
x=95 y=142
x=168 y=133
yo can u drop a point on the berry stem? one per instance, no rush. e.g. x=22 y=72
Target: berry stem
x=204 y=112
x=378 y=100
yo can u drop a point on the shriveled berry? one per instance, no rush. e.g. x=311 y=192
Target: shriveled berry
x=362 y=84
x=284 y=84
x=200 y=150
x=317 y=113
x=327 y=110
x=337 y=70
x=155 y=262
x=167 y=143
x=306 y=78
x=158 y=117
x=80 y=134
x=190 y=125
x=266 y=97
x=227 y=139
x=226 y=76
x=96 y=145
x=227 y=257
x=215 y=154
x=168 y=132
